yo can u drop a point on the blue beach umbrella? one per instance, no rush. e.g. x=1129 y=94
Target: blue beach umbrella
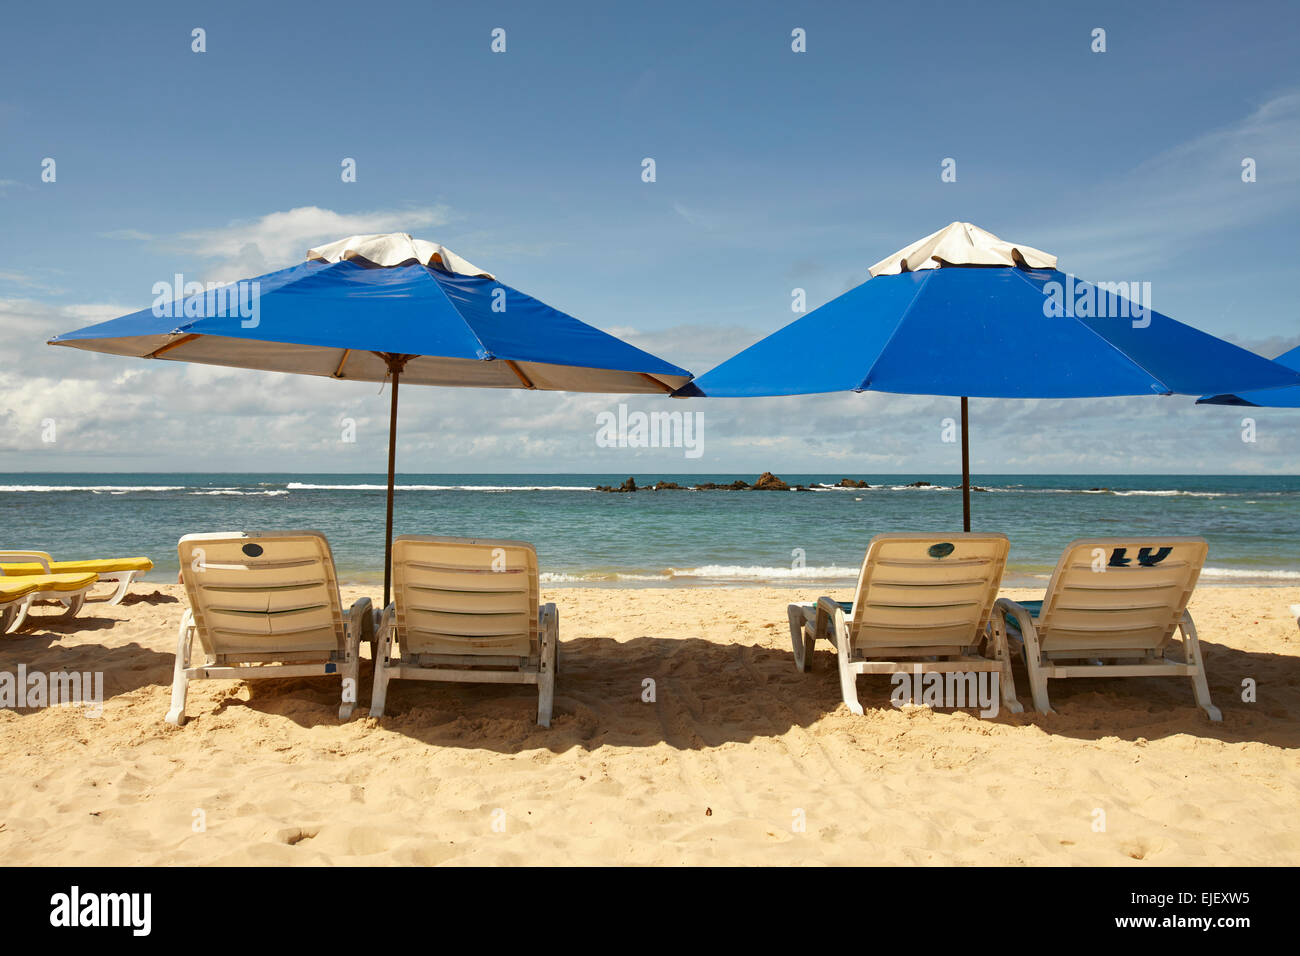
x=1269 y=398
x=963 y=313
x=379 y=308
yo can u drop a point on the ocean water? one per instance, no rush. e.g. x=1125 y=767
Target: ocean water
x=664 y=538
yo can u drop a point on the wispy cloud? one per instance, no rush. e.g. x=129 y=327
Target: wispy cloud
x=278 y=239
x=28 y=282
x=1188 y=192
x=125 y=413
x=132 y=235
x=697 y=217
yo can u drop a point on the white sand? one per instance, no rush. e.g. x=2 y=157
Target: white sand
x=717 y=770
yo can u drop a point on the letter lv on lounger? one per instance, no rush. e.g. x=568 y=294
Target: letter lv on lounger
x=265 y=605
x=466 y=610
x=923 y=605
x=1111 y=610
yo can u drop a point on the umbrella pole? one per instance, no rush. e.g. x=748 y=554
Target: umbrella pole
x=396 y=371
x=965 y=465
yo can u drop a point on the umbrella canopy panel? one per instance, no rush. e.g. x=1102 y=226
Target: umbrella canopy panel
x=385 y=308
x=987 y=332
x=340 y=318
x=963 y=313
x=1268 y=398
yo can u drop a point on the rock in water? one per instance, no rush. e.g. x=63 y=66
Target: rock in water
x=770 y=482
x=628 y=485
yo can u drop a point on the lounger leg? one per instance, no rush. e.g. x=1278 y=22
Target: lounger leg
x=550 y=629
x=1037 y=679
x=180 y=681
x=1192 y=656
x=8 y=615
x=123 y=583
x=802 y=642
x=22 y=615
x=357 y=618
x=1030 y=651
x=383 y=647
x=1001 y=653
x=73 y=604
x=844 y=656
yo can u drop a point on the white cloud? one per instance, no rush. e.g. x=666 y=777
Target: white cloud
x=1186 y=194
x=696 y=217
x=279 y=239
x=129 y=235
x=128 y=414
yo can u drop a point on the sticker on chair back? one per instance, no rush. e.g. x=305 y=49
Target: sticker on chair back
x=252 y=550
x=1119 y=557
x=941 y=550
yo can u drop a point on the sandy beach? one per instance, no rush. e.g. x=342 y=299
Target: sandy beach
x=735 y=753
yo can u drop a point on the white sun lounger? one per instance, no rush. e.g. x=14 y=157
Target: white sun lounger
x=922 y=605
x=466 y=609
x=119 y=571
x=1111 y=610
x=265 y=604
x=19 y=591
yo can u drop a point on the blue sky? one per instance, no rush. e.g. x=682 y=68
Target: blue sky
x=775 y=170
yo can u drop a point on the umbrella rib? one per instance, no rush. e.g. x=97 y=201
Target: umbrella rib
x=920 y=287
x=1128 y=358
x=656 y=383
x=524 y=379
x=487 y=353
x=338 y=372
x=159 y=352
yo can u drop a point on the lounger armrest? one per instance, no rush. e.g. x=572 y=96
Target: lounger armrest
x=1023 y=617
x=360 y=621
x=384 y=637
x=548 y=623
x=829 y=620
x=1009 y=608
x=13 y=557
x=547 y=616
x=829 y=605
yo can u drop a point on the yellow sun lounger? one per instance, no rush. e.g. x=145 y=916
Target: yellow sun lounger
x=121 y=571
x=19 y=592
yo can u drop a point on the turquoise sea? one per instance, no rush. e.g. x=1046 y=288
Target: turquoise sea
x=661 y=538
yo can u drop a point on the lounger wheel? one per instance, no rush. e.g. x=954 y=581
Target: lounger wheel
x=175 y=717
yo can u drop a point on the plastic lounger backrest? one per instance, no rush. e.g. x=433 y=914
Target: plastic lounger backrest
x=927 y=591
x=263 y=593
x=465 y=596
x=1119 y=594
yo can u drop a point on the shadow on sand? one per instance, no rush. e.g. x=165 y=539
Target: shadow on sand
x=708 y=694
